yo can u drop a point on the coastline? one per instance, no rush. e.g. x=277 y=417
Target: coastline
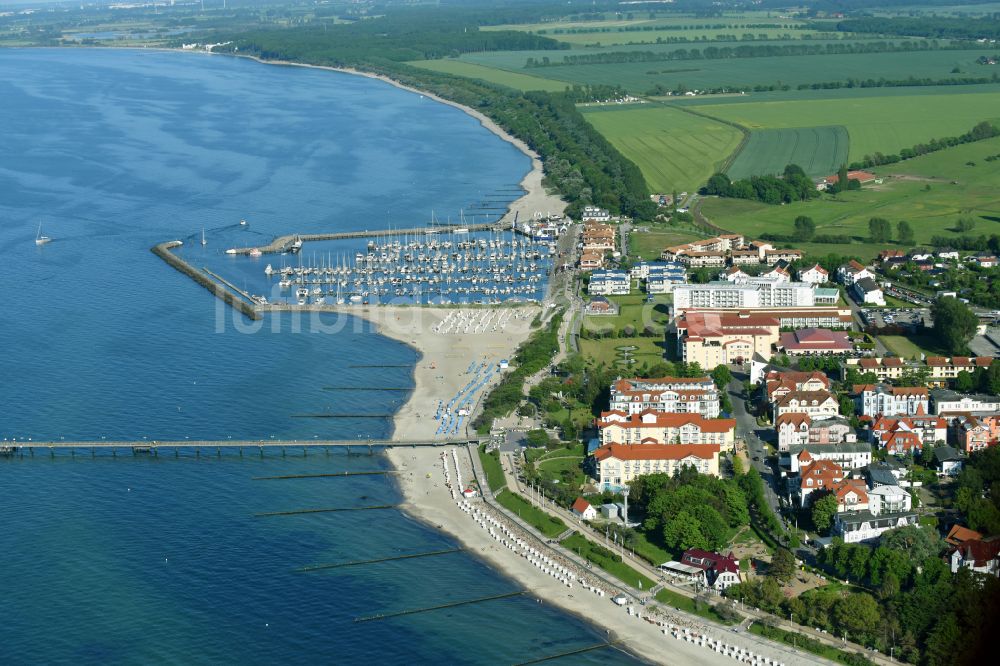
x=535 y=199
x=446 y=352
x=426 y=499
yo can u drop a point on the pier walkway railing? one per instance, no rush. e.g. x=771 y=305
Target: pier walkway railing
x=233 y=443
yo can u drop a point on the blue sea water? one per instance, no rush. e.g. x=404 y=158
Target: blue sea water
x=137 y=560
x=113 y=151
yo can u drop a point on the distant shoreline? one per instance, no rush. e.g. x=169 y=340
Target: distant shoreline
x=535 y=199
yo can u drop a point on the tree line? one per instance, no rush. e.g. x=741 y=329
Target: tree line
x=982 y=131
x=909 y=82
x=935 y=27
x=742 y=51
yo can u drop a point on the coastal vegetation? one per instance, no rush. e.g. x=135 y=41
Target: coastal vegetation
x=490 y=461
x=608 y=560
x=550 y=526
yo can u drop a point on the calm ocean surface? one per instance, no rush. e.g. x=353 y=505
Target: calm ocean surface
x=161 y=560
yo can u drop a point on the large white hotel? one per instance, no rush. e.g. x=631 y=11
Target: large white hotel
x=753 y=292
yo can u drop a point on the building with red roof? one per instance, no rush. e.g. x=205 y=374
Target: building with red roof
x=721 y=571
x=677 y=395
x=584 y=509
x=815 y=341
x=616 y=426
x=618 y=464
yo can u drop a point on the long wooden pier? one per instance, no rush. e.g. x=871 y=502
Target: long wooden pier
x=243 y=443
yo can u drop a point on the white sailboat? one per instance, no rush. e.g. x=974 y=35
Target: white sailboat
x=203 y=241
x=39 y=238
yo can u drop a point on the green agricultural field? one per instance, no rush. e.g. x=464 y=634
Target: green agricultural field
x=648 y=246
x=640 y=77
x=818 y=150
x=673 y=149
x=875 y=124
x=522 y=82
x=930 y=192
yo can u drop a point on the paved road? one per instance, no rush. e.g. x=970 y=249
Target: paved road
x=747 y=430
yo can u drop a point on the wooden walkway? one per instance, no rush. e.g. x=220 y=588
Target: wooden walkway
x=246 y=443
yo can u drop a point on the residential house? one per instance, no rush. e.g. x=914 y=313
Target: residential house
x=774 y=256
x=889 y=499
x=881 y=400
x=814 y=275
x=778 y=383
x=605 y=283
x=793 y=430
x=885 y=255
x=851 y=495
x=817 y=404
x=594 y=214
x=862 y=526
x=979 y=555
x=959 y=534
x=797 y=430
x=852 y=271
x=721 y=571
x=618 y=464
x=972 y=433
x=687 y=395
x=952 y=402
x=926 y=429
x=947 y=253
x=625 y=428
x=584 y=509
x=591 y=260
x=642 y=270
x=599 y=305
x=745 y=257
x=848 y=455
x=816 y=475
x=867 y=292
x=948 y=460
x=733 y=274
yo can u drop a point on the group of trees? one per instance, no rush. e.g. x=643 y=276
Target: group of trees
x=689 y=510
x=793 y=185
x=974 y=496
x=880 y=231
x=912 y=603
x=909 y=82
x=954 y=324
x=983 y=130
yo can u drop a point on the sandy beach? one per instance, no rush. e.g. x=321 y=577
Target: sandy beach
x=449 y=340
x=426 y=498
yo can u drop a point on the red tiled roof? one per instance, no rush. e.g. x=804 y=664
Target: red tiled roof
x=580 y=505
x=662 y=420
x=656 y=451
x=960 y=533
x=795 y=418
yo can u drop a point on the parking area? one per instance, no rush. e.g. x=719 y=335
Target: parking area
x=882 y=317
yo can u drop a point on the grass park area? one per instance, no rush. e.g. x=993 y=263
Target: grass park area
x=515 y=80
x=694 y=606
x=818 y=150
x=633 y=311
x=548 y=525
x=495 y=478
x=605 y=559
x=885 y=123
x=675 y=150
x=930 y=192
x=649 y=245
x=912 y=346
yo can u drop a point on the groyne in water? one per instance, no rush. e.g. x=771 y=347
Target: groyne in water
x=163 y=251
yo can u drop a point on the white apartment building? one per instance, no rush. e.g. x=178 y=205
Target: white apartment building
x=754 y=292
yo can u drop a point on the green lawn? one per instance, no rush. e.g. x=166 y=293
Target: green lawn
x=818 y=150
x=494 y=472
x=700 y=608
x=911 y=346
x=649 y=246
x=674 y=150
x=515 y=80
x=554 y=469
x=548 y=525
x=603 y=558
x=875 y=124
x=633 y=310
x=930 y=192
x=650 y=350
